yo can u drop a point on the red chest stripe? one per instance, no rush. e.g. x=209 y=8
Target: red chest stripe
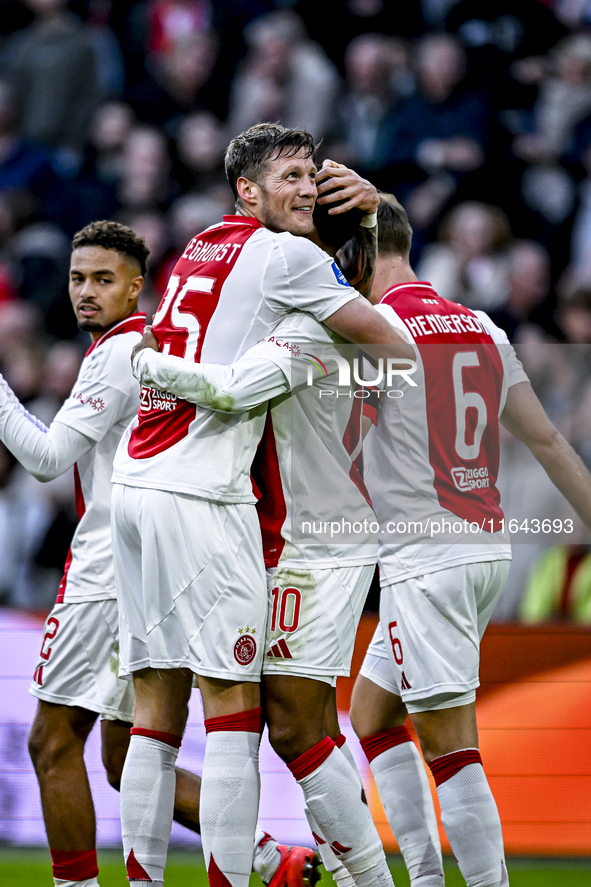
x=463 y=385
x=180 y=324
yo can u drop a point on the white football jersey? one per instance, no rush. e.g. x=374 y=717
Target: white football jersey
x=231 y=287
x=314 y=506
x=101 y=405
x=431 y=462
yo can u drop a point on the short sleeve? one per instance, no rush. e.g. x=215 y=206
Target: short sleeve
x=303 y=277
x=513 y=366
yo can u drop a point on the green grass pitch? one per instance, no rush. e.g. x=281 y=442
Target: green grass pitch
x=31 y=868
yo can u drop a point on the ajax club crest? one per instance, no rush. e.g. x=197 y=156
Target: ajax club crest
x=245 y=648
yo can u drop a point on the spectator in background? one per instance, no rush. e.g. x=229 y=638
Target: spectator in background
x=438 y=137
x=110 y=66
x=561 y=378
x=578 y=270
x=52 y=66
x=23 y=163
x=564 y=98
x=152 y=225
x=285 y=78
x=470 y=264
x=38 y=255
x=92 y=194
x=164 y=235
x=190 y=214
x=200 y=144
x=179 y=80
x=574 y=316
x=109 y=130
x=529 y=298
x=564 y=101
x=171 y=20
x=145 y=181
x=357 y=17
x=497 y=34
x=376 y=69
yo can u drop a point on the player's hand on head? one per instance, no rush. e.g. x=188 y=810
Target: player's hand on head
x=350 y=187
x=148 y=340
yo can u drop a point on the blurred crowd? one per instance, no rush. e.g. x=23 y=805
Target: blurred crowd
x=475 y=113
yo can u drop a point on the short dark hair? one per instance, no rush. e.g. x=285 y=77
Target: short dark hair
x=335 y=231
x=394 y=230
x=114 y=235
x=247 y=155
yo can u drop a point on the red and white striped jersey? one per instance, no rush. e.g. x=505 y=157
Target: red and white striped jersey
x=231 y=287
x=102 y=403
x=432 y=461
x=314 y=506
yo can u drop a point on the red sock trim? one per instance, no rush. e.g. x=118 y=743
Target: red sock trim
x=245 y=721
x=135 y=871
x=382 y=741
x=215 y=875
x=312 y=759
x=169 y=738
x=446 y=766
x=265 y=839
x=340 y=740
x=74 y=865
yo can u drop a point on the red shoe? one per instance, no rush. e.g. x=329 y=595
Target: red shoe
x=298 y=868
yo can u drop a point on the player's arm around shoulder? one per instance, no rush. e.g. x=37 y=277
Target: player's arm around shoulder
x=525 y=417
x=360 y=322
x=249 y=382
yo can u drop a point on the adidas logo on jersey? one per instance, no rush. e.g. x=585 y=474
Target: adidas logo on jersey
x=280 y=650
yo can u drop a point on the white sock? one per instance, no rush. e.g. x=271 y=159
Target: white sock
x=147 y=804
x=266 y=855
x=229 y=805
x=404 y=791
x=332 y=796
x=346 y=751
x=470 y=818
x=329 y=860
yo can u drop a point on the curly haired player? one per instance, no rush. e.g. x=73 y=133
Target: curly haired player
x=76 y=677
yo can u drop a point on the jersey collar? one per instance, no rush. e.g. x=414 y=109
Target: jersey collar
x=242 y=220
x=135 y=323
x=401 y=288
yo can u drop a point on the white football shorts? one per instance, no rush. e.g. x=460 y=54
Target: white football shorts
x=312 y=620
x=79 y=660
x=426 y=648
x=191 y=583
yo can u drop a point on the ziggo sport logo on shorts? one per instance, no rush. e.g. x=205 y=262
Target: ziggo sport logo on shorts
x=386 y=369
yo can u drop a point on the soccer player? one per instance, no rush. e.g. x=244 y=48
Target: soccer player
x=431 y=467
x=76 y=678
x=317 y=579
x=186 y=536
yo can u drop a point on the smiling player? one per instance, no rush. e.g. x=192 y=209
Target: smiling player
x=186 y=536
